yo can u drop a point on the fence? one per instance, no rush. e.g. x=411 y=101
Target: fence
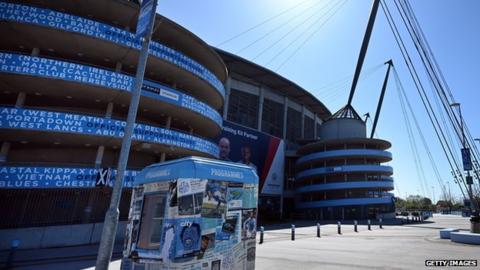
x=46 y=207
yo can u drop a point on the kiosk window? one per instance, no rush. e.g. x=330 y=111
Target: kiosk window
x=152 y=221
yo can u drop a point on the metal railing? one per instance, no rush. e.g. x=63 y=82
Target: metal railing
x=47 y=207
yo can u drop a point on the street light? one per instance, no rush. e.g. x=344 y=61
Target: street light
x=466 y=159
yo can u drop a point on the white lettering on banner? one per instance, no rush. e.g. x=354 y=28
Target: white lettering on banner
x=230 y=130
x=226 y=173
x=64 y=122
x=66 y=22
x=157 y=173
x=48 y=177
x=51 y=68
x=168 y=94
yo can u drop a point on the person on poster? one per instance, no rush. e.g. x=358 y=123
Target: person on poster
x=224 y=145
x=250 y=225
x=246 y=153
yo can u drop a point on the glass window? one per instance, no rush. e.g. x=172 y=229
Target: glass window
x=152 y=221
x=243 y=108
x=309 y=126
x=294 y=125
x=272 y=118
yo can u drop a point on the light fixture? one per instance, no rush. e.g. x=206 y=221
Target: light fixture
x=69 y=97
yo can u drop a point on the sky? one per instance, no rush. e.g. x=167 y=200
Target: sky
x=317 y=48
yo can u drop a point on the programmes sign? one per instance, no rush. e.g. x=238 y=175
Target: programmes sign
x=264 y=153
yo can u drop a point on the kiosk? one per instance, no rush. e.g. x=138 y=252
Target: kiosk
x=193 y=213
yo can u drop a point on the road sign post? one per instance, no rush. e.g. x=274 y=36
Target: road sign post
x=144 y=31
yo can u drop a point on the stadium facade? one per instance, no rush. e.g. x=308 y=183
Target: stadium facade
x=66 y=73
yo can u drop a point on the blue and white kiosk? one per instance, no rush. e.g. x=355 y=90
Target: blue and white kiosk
x=193 y=213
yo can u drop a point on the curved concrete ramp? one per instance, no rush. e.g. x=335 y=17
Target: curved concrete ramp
x=465 y=237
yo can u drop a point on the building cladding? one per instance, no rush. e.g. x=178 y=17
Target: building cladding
x=342 y=176
x=66 y=73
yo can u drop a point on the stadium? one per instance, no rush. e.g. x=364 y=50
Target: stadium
x=67 y=72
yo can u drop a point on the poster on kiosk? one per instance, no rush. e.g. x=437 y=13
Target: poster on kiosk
x=193 y=213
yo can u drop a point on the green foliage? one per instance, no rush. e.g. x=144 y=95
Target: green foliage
x=414 y=203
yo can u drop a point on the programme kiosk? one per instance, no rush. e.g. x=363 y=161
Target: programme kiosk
x=193 y=213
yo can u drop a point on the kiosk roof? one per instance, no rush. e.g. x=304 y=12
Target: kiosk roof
x=197 y=167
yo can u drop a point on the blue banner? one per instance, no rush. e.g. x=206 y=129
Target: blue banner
x=467 y=160
x=146 y=9
x=55 y=177
x=66 y=22
x=55 y=69
x=16 y=118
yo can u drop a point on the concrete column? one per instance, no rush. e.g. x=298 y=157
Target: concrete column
x=108 y=113
x=303 y=123
x=315 y=126
x=6 y=145
x=101 y=148
x=227 y=96
x=118 y=67
x=162 y=157
x=35 y=52
x=260 y=108
x=285 y=114
x=99 y=157
x=4 y=151
x=169 y=122
x=20 y=99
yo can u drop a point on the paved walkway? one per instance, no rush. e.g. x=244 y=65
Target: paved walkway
x=393 y=247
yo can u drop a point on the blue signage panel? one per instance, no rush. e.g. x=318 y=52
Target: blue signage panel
x=66 y=22
x=144 y=18
x=55 y=69
x=55 y=177
x=467 y=160
x=16 y=118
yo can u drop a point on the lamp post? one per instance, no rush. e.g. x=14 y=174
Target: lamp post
x=467 y=163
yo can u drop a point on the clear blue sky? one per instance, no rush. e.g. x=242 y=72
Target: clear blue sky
x=325 y=64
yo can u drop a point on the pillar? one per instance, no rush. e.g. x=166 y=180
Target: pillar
x=4 y=151
x=35 y=51
x=227 y=96
x=169 y=122
x=285 y=114
x=260 y=108
x=303 y=123
x=20 y=99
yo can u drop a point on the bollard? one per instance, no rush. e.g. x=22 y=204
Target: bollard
x=369 y=225
x=318 y=230
x=408 y=220
x=380 y=221
x=339 y=227
x=261 y=234
x=293 y=232
x=355 y=223
x=13 y=247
